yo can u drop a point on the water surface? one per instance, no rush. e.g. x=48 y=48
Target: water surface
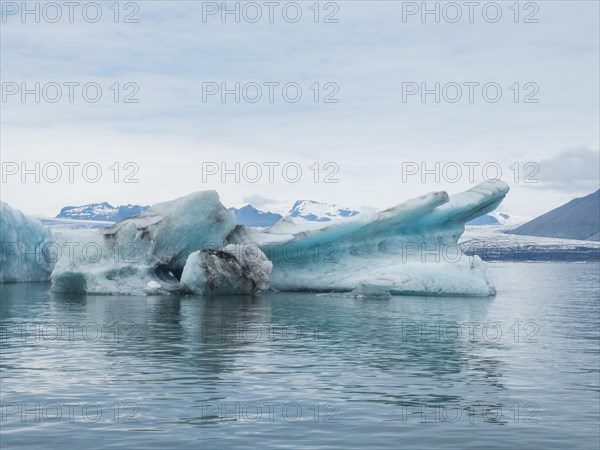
x=518 y=370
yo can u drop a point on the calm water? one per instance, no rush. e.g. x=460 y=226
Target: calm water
x=519 y=370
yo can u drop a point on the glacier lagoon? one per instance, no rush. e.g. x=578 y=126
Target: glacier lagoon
x=411 y=248
x=183 y=371
x=337 y=360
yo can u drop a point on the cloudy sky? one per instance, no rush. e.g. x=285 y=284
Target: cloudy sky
x=359 y=132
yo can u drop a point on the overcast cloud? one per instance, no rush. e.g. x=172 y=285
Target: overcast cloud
x=576 y=170
x=368 y=137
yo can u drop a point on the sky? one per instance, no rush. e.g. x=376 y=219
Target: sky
x=351 y=126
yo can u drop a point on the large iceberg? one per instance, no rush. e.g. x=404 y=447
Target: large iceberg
x=192 y=244
x=23 y=255
x=146 y=253
x=411 y=248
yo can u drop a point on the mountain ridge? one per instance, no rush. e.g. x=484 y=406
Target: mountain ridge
x=577 y=219
x=103 y=211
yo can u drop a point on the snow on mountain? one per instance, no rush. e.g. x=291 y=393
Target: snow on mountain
x=302 y=211
x=249 y=216
x=312 y=211
x=308 y=212
x=100 y=211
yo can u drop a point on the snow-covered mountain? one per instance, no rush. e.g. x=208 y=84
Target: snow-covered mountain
x=249 y=216
x=100 y=211
x=302 y=211
x=498 y=218
x=312 y=211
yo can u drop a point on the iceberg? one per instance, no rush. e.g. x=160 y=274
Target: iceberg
x=146 y=253
x=23 y=242
x=411 y=248
x=192 y=244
